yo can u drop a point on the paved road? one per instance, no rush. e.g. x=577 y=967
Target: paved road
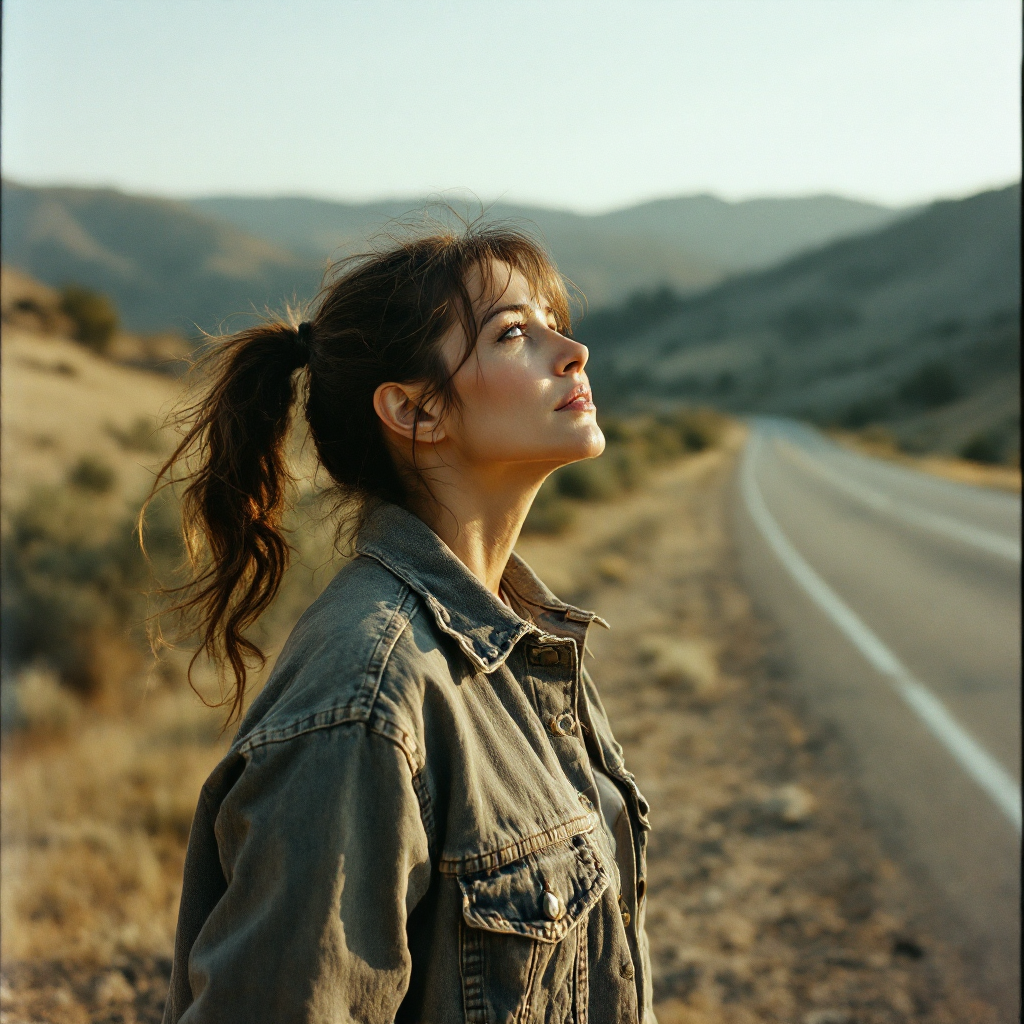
x=899 y=596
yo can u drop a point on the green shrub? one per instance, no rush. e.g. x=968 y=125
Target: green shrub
x=92 y=474
x=629 y=465
x=141 y=435
x=74 y=581
x=663 y=440
x=550 y=513
x=700 y=429
x=932 y=385
x=591 y=480
x=94 y=317
x=987 y=447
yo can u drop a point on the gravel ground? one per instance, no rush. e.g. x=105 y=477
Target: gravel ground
x=769 y=897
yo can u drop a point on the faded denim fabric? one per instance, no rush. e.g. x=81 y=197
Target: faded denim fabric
x=406 y=827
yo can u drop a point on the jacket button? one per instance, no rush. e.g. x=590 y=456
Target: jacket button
x=543 y=656
x=563 y=724
x=585 y=802
x=624 y=910
x=552 y=906
x=626 y=970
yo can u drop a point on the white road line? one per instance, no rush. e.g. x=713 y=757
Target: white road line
x=971 y=756
x=1004 y=547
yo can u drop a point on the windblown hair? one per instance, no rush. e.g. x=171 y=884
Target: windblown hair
x=381 y=319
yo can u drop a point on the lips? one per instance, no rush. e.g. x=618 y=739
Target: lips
x=580 y=398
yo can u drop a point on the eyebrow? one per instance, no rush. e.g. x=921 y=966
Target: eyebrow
x=524 y=308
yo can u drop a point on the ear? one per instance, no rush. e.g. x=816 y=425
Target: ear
x=400 y=410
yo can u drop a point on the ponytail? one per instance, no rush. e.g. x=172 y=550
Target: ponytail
x=233 y=505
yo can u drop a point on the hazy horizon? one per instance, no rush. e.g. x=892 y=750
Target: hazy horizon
x=461 y=194
x=583 y=107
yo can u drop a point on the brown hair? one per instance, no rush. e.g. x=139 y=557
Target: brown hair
x=381 y=319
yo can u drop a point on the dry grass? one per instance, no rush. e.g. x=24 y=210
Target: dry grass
x=94 y=826
x=62 y=403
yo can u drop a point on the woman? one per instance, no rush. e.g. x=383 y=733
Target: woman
x=424 y=815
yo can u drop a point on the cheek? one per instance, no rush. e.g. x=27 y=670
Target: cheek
x=506 y=397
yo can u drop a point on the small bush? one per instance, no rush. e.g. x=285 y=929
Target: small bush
x=550 y=513
x=141 y=435
x=94 y=317
x=40 y=704
x=592 y=480
x=74 y=583
x=628 y=464
x=986 y=447
x=92 y=474
x=700 y=429
x=932 y=385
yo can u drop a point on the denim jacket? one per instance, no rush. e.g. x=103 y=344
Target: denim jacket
x=406 y=826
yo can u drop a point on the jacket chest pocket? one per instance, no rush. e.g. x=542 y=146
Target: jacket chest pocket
x=523 y=942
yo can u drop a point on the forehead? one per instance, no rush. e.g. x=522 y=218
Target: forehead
x=496 y=281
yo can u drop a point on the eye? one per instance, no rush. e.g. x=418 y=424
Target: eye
x=516 y=330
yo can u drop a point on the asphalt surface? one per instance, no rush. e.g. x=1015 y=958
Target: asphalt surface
x=898 y=596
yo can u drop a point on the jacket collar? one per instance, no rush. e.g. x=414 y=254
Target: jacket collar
x=484 y=628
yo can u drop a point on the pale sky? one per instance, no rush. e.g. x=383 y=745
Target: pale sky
x=587 y=105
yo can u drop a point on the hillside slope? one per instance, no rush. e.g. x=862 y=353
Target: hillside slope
x=164 y=265
x=892 y=326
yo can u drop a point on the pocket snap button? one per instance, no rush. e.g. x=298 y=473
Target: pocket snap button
x=552 y=906
x=626 y=970
x=563 y=724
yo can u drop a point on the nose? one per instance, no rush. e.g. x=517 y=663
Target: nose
x=572 y=356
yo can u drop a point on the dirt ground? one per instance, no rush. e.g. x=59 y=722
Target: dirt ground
x=769 y=899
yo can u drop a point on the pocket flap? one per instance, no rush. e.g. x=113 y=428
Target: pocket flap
x=513 y=898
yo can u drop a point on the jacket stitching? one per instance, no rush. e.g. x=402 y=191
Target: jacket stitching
x=311 y=723
x=419 y=784
x=503 y=855
x=532 y=970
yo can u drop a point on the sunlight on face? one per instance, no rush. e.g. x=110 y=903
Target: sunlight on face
x=524 y=395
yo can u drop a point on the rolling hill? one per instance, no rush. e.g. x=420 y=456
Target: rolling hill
x=164 y=265
x=173 y=264
x=915 y=325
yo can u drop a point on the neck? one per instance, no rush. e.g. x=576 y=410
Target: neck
x=479 y=516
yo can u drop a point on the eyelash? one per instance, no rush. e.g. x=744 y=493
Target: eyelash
x=521 y=324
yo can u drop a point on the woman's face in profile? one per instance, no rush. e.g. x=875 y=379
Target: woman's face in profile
x=524 y=396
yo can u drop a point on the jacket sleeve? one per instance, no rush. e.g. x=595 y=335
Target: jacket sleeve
x=323 y=850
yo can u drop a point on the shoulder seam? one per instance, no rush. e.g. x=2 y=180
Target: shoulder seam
x=362 y=706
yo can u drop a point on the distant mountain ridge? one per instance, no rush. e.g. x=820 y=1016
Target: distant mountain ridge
x=688 y=242
x=171 y=264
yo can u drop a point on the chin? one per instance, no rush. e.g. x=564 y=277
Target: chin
x=589 y=444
